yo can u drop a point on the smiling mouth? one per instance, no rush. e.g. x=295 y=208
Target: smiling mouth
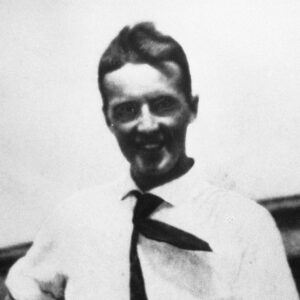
x=151 y=147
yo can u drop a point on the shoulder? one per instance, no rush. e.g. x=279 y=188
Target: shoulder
x=234 y=203
x=84 y=210
x=236 y=211
x=205 y=192
x=97 y=198
x=238 y=223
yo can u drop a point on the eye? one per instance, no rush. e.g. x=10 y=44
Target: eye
x=125 y=112
x=164 y=105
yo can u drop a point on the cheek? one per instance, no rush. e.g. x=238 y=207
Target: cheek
x=123 y=128
x=124 y=138
x=180 y=118
x=178 y=128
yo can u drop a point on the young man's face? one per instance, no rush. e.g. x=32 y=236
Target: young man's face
x=149 y=115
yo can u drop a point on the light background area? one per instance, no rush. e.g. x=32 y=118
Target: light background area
x=245 y=64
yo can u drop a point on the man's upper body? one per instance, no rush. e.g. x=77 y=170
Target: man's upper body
x=83 y=251
x=84 y=248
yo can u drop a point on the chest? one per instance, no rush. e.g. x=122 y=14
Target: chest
x=102 y=271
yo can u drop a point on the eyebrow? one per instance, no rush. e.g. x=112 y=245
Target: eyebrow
x=150 y=96
x=155 y=96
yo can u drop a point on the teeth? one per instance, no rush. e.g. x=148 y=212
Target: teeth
x=151 y=146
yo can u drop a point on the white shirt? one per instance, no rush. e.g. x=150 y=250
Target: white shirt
x=84 y=248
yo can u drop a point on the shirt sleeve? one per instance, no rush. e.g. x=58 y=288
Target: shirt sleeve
x=264 y=270
x=39 y=275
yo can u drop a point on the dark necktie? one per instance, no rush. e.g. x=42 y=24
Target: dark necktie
x=146 y=204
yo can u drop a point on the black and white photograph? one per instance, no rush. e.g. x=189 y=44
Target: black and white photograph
x=149 y=150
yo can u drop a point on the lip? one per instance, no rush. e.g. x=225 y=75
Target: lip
x=151 y=147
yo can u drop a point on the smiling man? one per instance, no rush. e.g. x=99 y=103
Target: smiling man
x=149 y=114
x=162 y=232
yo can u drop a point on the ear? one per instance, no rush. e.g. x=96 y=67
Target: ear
x=194 y=107
x=108 y=122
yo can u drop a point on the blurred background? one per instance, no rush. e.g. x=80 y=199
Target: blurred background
x=245 y=64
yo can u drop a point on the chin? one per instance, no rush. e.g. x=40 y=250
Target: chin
x=155 y=169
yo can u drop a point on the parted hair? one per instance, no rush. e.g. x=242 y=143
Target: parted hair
x=142 y=43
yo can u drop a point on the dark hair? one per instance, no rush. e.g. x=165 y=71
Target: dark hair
x=143 y=44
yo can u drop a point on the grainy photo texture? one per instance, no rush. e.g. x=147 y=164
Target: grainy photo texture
x=149 y=150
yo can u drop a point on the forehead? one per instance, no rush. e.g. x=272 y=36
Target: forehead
x=136 y=79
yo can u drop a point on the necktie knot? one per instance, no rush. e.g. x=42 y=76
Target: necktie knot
x=146 y=204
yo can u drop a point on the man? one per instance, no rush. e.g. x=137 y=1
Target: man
x=162 y=232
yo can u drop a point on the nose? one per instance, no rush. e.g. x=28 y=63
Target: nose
x=147 y=121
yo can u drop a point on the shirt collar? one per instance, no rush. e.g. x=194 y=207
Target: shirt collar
x=176 y=191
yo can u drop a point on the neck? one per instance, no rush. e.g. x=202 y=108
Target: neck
x=147 y=182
